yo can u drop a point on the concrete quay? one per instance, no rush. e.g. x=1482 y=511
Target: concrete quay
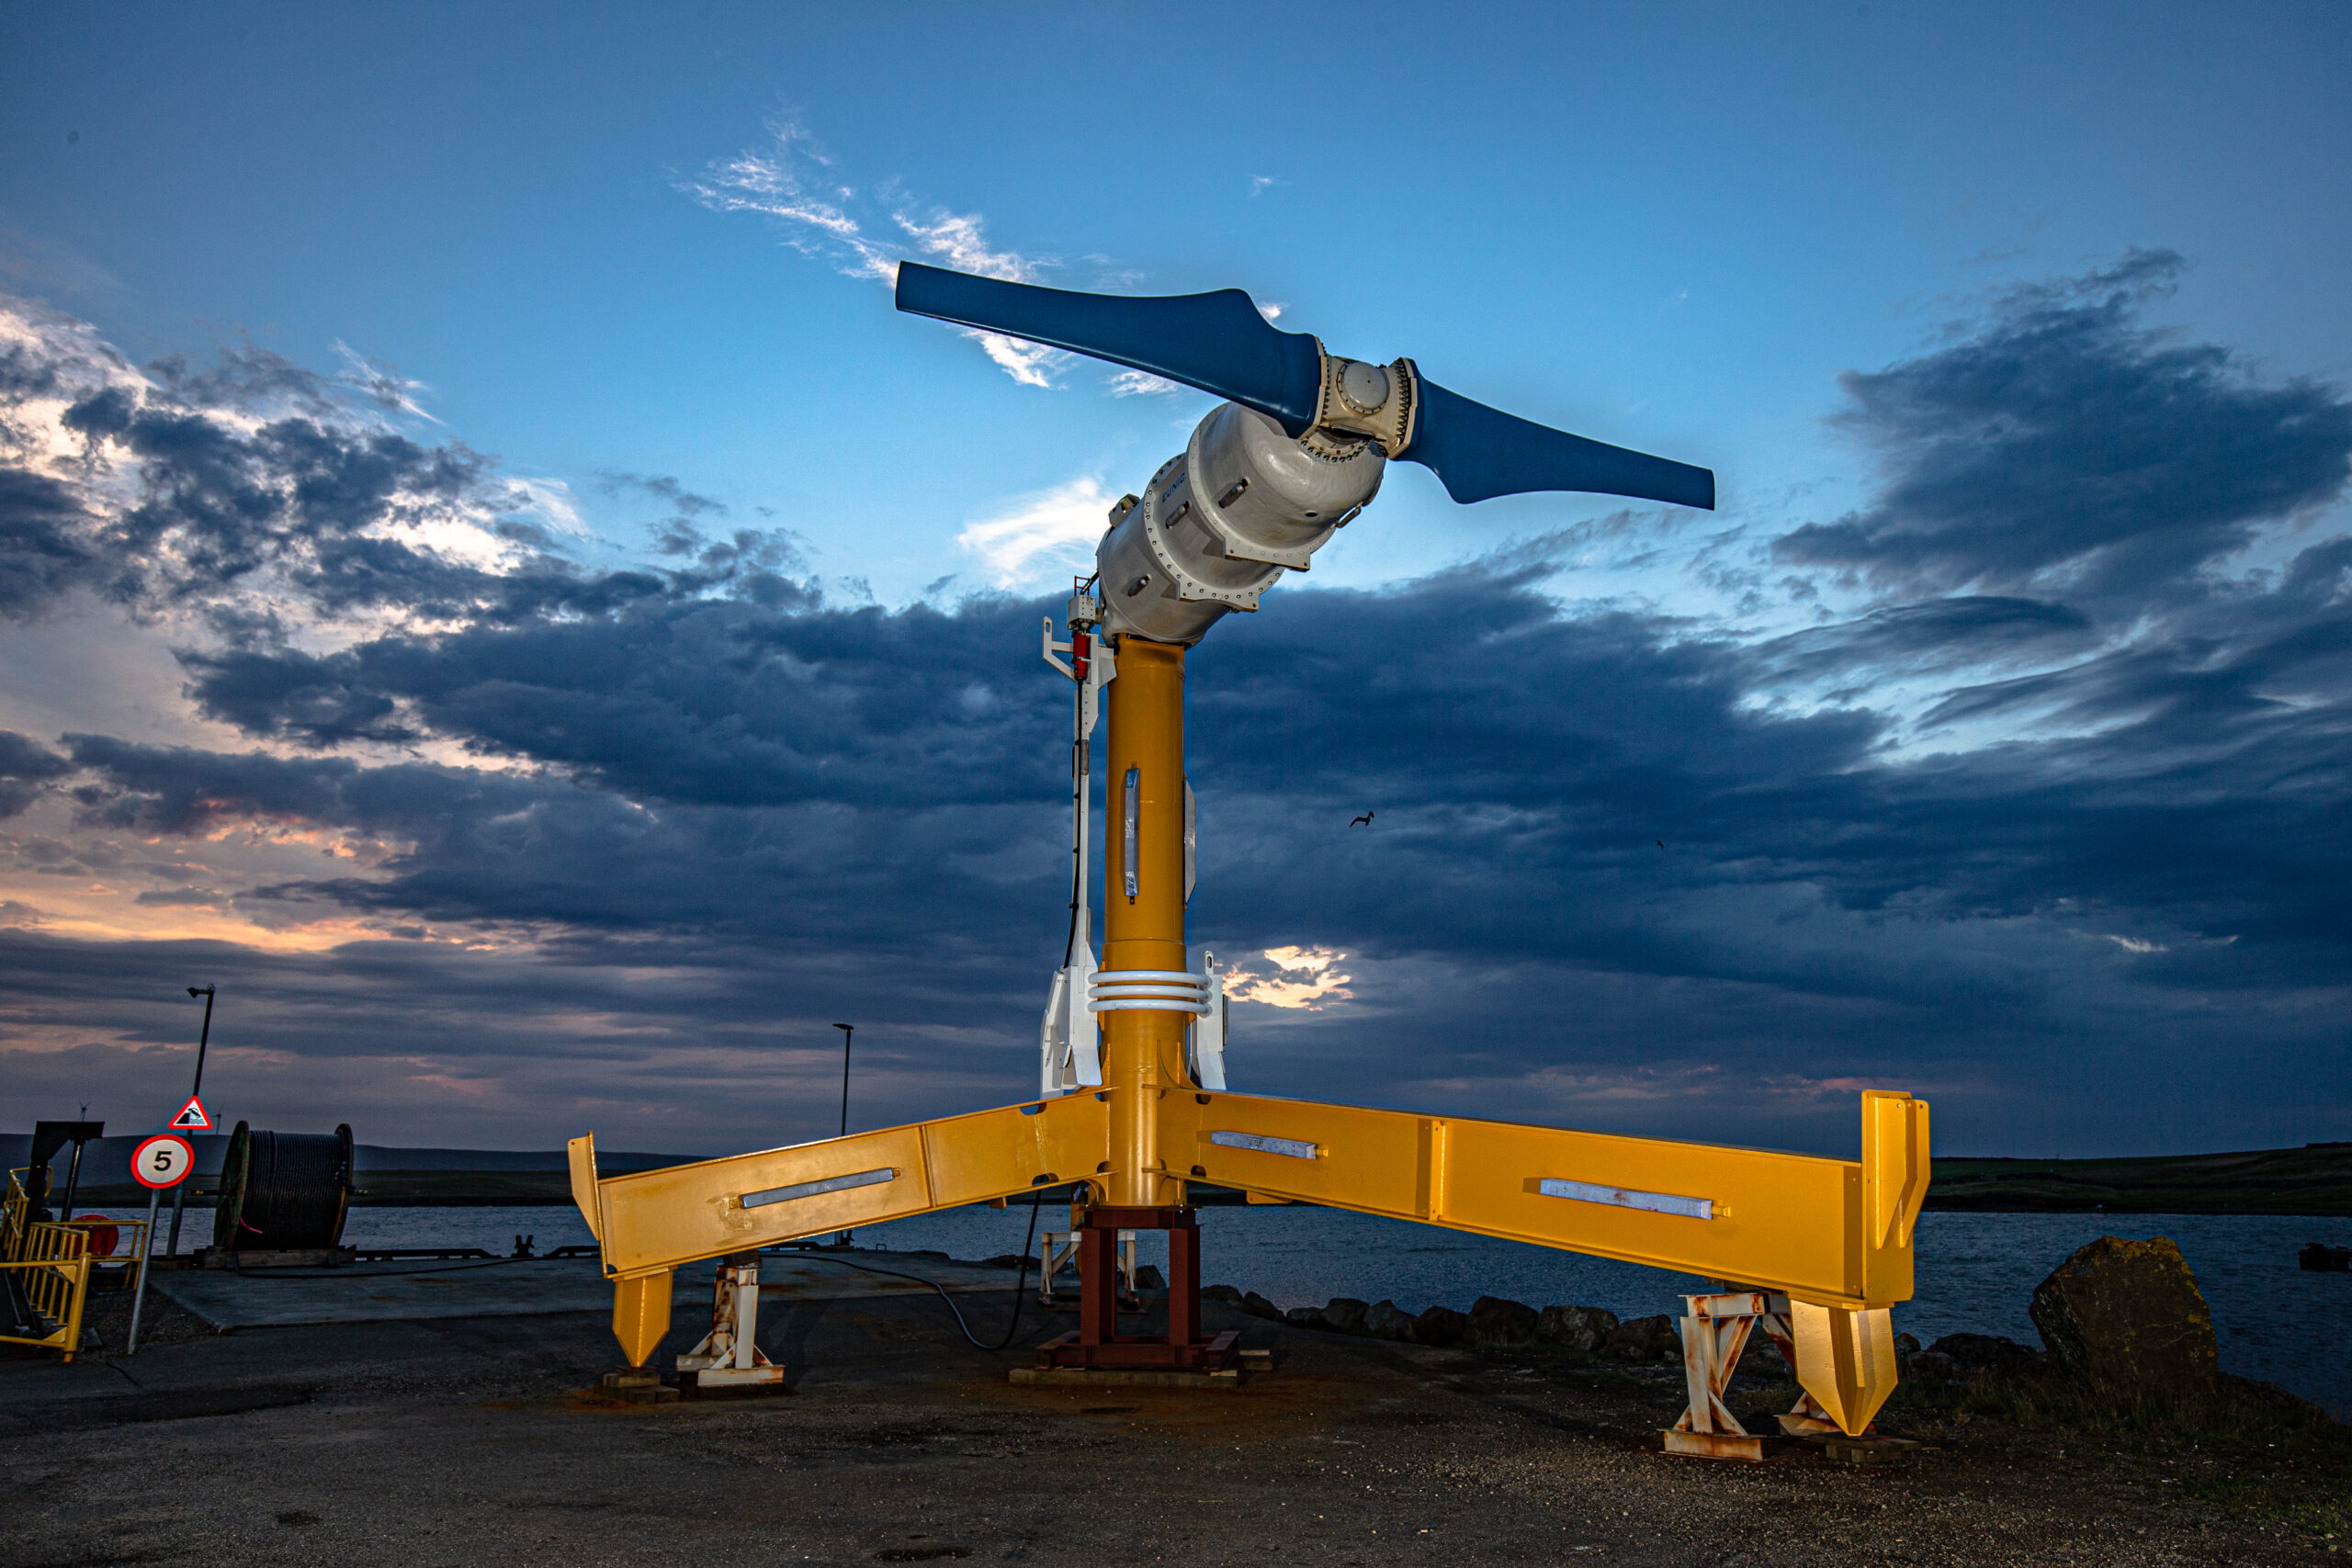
x=449 y=1435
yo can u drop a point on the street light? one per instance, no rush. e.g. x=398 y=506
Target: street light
x=849 y=1032
x=179 y=1192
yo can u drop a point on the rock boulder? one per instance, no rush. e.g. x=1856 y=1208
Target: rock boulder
x=1578 y=1327
x=1345 y=1314
x=1440 y=1325
x=1763 y=1359
x=1970 y=1354
x=1501 y=1321
x=1385 y=1320
x=2127 y=1315
x=1646 y=1339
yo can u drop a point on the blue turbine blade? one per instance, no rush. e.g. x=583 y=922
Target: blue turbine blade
x=1218 y=341
x=1480 y=452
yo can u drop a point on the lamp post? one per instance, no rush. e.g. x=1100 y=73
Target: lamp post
x=179 y=1193
x=849 y=1032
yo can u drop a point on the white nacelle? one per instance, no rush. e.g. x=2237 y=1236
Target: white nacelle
x=1218 y=524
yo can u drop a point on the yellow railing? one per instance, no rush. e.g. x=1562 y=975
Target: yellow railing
x=51 y=1263
x=15 y=1210
x=53 y=1266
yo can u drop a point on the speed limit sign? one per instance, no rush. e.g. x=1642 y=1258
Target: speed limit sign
x=162 y=1161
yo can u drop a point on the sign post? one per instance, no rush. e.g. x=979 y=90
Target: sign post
x=163 y=1160
x=203 y=1124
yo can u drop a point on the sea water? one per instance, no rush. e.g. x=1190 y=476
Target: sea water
x=1975 y=1273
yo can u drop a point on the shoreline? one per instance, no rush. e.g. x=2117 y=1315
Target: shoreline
x=2314 y=1183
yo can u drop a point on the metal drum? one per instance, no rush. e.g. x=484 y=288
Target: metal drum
x=283 y=1191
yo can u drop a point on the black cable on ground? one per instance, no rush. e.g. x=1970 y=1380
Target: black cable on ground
x=1020 y=1298
x=1020 y=1288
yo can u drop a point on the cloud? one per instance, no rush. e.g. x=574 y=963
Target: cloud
x=2065 y=445
x=1925 y=638
x=1041 y=537
x=1301 y=978
x=859 y=802
x=607 y=847
x=186 y=489
x=790 y=182
x=775 y=183
x=382 y=383
x=1143 y=383
x=551 y=501
x=27 y=768
x=664 y=488
x=46 y=550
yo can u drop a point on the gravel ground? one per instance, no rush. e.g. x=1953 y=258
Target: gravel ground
x=465 y=1442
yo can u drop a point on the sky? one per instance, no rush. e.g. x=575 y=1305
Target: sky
x=487 y=579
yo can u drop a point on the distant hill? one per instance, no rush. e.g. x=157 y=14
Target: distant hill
x=2314 y=1179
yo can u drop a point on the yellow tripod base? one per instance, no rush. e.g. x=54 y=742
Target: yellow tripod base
x=1845 y=1360
x=642 y=1314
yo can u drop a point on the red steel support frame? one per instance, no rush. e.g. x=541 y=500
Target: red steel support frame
x=1098 y=1342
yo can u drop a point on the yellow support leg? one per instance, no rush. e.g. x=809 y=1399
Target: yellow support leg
x=642 y=1314
x=1845 y=1360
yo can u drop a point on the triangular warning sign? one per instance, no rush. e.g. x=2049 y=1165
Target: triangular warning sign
x=191 y=1117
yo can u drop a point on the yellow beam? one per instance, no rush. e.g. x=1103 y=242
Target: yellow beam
x=658 y=1220
x=1836 y=1233
x=1833 y=1233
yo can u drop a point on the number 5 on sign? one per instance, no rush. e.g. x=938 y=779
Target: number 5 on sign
x=162 y=1161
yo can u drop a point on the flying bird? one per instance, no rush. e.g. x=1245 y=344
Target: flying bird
x=1661 y=843
x=1362 y=822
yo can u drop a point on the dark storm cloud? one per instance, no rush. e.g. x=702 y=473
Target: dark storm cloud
x=531 y=849
x=195 y=483
x=725 y=1047
x=1936 y=635
x=1532 y=762
x=1716 y=854
x=45 y=545
x=217 y=504
x=2067 y=437
x=842 y=765
x=1813 y=899
x=2244 y=663
x=695 y=700
x=664 y=488
x=244 y=376
x=27 y=767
